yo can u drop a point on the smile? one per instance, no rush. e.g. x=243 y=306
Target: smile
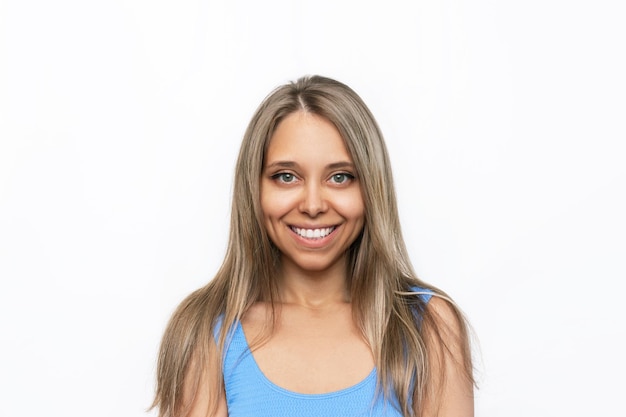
x=313 y=233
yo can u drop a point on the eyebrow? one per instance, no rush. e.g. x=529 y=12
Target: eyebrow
x=291 y=164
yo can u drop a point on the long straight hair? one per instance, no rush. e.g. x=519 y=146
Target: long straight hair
x=404 y=336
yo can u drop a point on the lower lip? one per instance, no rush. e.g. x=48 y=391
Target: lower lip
x=314 y=243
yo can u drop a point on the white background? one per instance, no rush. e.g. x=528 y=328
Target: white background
x=119 y=126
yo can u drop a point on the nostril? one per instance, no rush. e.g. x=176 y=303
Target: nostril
x=312 y=203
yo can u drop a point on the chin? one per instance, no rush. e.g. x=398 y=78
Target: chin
x=316 y=266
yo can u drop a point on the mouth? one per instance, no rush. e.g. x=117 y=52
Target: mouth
x=313 y=233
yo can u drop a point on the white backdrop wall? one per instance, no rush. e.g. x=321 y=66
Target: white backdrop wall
x=119 y=126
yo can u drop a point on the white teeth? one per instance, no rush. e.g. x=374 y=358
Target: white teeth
x=313 y=233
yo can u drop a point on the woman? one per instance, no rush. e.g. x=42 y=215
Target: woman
x=316 y=310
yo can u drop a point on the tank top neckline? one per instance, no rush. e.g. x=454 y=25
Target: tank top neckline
x=367 y=380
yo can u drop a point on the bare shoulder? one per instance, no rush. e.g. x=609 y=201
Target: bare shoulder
x=446 y=315
x=256 y=320
x=203 y=394
x=451 y=380
x=447 y=330
x=257 y=312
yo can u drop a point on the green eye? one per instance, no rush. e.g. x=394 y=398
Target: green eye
x=341 y=178
x=285 y=177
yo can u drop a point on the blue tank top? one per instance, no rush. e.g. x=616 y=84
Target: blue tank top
x=250 y=394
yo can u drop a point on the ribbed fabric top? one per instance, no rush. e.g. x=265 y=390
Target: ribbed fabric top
x=250 y=394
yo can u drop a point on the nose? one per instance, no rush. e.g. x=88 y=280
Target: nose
x=313 y=201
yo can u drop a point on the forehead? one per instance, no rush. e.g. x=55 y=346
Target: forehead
x=306 y=136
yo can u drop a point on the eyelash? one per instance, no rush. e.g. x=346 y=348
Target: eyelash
x=346 y=175
x=280 y=177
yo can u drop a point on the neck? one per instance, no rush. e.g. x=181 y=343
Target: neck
x=314 y=289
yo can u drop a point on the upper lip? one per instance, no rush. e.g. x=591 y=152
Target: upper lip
x=321 y=226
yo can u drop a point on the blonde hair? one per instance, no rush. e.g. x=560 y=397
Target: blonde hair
x=404 y=336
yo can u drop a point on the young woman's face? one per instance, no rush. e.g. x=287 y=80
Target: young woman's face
x=312 y=205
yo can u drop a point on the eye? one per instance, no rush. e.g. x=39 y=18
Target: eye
x=284 y=177
x=341 y=178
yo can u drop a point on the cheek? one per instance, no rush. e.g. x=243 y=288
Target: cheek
x=266 y=199
x=274 y=204
x=352 y=206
